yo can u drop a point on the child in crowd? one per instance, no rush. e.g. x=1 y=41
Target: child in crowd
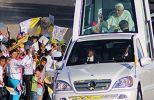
x=2 y=67
x=36 y=60
x=14 y=73
x=37 y=84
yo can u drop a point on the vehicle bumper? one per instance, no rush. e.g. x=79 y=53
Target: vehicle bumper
x=111 y=95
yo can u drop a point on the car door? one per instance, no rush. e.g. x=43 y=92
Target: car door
x=145 y=73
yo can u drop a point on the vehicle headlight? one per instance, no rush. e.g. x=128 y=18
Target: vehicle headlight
x=124 y=82
x=62 y=86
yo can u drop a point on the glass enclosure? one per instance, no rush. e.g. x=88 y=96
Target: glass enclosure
x=108 y=16
x=101 y=51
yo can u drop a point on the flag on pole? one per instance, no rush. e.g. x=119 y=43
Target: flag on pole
x=26 y=25
x=59 y=32
x=37 y=25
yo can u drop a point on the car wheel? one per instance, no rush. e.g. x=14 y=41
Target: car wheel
x=139 y=94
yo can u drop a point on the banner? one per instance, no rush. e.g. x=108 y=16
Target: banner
x=59 y=32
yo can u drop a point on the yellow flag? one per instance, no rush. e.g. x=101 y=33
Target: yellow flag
x=53 y=41
x=50 y=90
x=50 y=30
x=48 y=79
x=23 y=39
x=62 y=42
x=38 y=30
x=34 y=21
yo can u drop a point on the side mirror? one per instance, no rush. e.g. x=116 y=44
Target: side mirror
x=145 y=61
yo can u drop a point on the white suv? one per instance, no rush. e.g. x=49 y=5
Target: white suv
x=117 y=70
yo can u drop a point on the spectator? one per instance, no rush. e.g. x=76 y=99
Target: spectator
x=12 y=44
x=28 y=72
x=42 y=50
x=37 y=84
x=63 y=49
x=35 y=60
x=14 y=73
x=1 y=54
x=2 y=67
x=54 y=47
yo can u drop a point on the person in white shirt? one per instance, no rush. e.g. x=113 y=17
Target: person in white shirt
x=43 y=62
x=49 y=64
x=28 y=73
x=112 y=23
x=54 y=47
x=2 y=67
x=14 y=73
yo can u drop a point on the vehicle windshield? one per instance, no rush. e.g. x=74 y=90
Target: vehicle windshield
x=108 y=16
x=101 y=51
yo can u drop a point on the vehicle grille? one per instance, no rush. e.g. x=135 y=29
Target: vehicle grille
x=92 y=85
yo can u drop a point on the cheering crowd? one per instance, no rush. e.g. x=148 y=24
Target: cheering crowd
x=27 y=65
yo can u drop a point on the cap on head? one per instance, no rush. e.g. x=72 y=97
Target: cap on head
x=119 y=5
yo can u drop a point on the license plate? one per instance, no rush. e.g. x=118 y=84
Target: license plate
x=87 y=97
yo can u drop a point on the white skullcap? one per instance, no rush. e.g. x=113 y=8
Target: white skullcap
x=119 y=5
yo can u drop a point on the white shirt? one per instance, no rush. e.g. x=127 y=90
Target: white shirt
x=28 y=67
x=1 y=75
x=35 y=46
x=34 y=65
x=90 y=59
x=14 y=68
x=49 y=64
x=113 y=21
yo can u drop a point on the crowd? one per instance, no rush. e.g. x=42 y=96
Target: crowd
x=27 y=65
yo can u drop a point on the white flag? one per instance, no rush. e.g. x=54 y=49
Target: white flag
x=59 y=32
x=25 y=25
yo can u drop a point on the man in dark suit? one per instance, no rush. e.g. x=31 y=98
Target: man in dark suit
x=91 y=56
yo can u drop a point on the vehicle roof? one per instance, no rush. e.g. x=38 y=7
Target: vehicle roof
x=106 y=36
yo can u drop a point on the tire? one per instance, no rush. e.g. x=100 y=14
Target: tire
x=139 y=94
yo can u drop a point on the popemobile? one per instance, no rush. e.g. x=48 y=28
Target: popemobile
x=110 y=55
